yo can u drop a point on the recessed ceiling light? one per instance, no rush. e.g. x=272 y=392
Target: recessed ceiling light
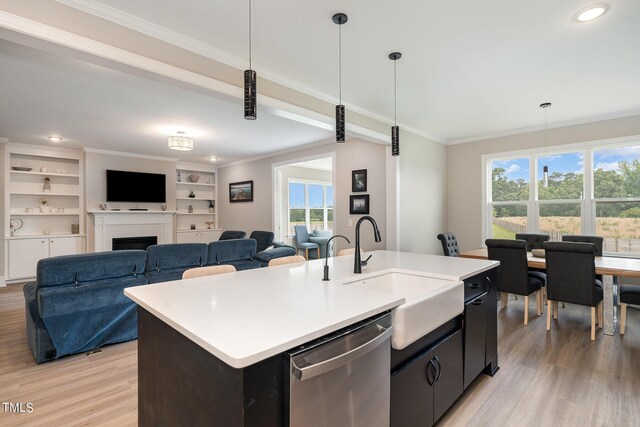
x=53 y=138
x=592 y=12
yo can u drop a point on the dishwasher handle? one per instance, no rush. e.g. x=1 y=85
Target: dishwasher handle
x=307 y=372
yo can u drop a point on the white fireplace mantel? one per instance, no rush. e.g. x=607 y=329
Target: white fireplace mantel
x=115 y=224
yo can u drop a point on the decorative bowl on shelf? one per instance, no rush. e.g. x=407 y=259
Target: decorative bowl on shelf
x=538 y=253
x=21 y=168
x=193 y=178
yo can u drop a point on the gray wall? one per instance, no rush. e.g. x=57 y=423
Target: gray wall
x=355 y=154
x=464 y=168
x=422 y=204
x=409 y=219
x=96 y=165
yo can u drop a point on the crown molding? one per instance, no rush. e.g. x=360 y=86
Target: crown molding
x=166 y=35
x=279 y=153
x=123 y=154
x=566 y=123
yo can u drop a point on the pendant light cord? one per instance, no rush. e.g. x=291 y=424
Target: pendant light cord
x=340 y=62
x=250 y=34
x=395 y=95
x=545 y=134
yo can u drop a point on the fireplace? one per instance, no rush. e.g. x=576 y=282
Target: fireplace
x=141 y=242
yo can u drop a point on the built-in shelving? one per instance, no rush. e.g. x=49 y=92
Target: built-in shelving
x=59 y=231
x=205 y=191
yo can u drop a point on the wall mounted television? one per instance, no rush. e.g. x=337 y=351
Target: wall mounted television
x=138 y=187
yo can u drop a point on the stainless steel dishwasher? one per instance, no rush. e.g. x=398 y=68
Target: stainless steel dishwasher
x=343 y=379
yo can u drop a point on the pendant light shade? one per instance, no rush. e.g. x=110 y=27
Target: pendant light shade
x=545 y=169
x=250 y=112
x=395 y=130
x=250 y=93
x=339 y=19
x=340 y=123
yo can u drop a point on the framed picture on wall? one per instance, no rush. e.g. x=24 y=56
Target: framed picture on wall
x=359 y=181
x=359 y=204
x=241 y=192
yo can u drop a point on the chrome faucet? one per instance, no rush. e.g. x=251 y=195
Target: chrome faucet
x=326 y=257
x=357 y=262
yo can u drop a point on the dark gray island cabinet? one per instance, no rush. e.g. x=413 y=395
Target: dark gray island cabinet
x=216 y=351
x=428 y=376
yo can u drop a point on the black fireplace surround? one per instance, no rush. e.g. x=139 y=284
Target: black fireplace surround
x=141 y=242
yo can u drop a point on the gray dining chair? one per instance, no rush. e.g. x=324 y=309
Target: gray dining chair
x=449 y=244
x=513 y=272
x=629 y=294
x=534 y=241
x=571 y=277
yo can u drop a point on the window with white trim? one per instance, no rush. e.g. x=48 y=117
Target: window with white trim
x=310 y=204
x=594 y=191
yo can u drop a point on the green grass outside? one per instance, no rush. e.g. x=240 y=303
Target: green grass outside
x=502 y=233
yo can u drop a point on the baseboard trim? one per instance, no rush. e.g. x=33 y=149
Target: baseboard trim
x=3 y=282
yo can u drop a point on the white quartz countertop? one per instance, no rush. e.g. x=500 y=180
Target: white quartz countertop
x=248 y=316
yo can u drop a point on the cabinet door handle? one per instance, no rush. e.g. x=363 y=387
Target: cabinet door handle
x=478 y=301
x=439 y=368
x=474 y=285
x=432 y=365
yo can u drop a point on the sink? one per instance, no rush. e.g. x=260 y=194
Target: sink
x=429 y=303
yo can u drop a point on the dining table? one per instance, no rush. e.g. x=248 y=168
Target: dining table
x=607 y=266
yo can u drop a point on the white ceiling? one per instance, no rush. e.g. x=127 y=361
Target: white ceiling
x=325 y=164
x=469 y=69
x=95 y=107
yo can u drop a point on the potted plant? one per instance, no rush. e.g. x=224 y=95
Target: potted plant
x=43 y=206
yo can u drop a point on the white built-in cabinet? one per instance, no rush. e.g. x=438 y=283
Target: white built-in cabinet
x=205 y=236
x=24 y=253
x=196 y=222
x=52 y=230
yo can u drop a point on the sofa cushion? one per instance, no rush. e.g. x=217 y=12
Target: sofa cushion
x=232 y=234
x=245 y=264
x=264 y=239
x=67 y=269
x=176 y=255
x=269 y=254
x=225 y=251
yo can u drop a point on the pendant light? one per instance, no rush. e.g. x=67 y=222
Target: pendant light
x=545 y=169
x=250 y=111
x=395 y=130
x=339 y=19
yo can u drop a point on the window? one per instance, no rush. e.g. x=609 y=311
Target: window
x=310 y=204
x=592 y=191
x=560 y=203
x=616 y=183
x=509 y=184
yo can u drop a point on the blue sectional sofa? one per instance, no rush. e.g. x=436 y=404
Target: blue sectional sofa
x=77 y=302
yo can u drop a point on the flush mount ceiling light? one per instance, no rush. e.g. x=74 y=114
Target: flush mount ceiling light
x=339 y=19
x=54 y=138
x=545 y=169
x=180 y=142
x=395 y=130
x=591 y=13
x=250 y=103
x=213 y=158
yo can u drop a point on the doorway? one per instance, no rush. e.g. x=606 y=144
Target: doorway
x=304 y=194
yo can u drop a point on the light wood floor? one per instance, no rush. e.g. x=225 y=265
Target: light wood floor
x=556 y=378
x=559 y=378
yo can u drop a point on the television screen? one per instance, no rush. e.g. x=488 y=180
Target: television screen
x=123 y=186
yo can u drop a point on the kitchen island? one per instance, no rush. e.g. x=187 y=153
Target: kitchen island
x=211 y=348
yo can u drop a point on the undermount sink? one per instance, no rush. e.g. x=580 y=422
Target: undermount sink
x=429 y=303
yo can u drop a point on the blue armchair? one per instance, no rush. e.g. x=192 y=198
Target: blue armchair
x=302 y=241
x=321 y=237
